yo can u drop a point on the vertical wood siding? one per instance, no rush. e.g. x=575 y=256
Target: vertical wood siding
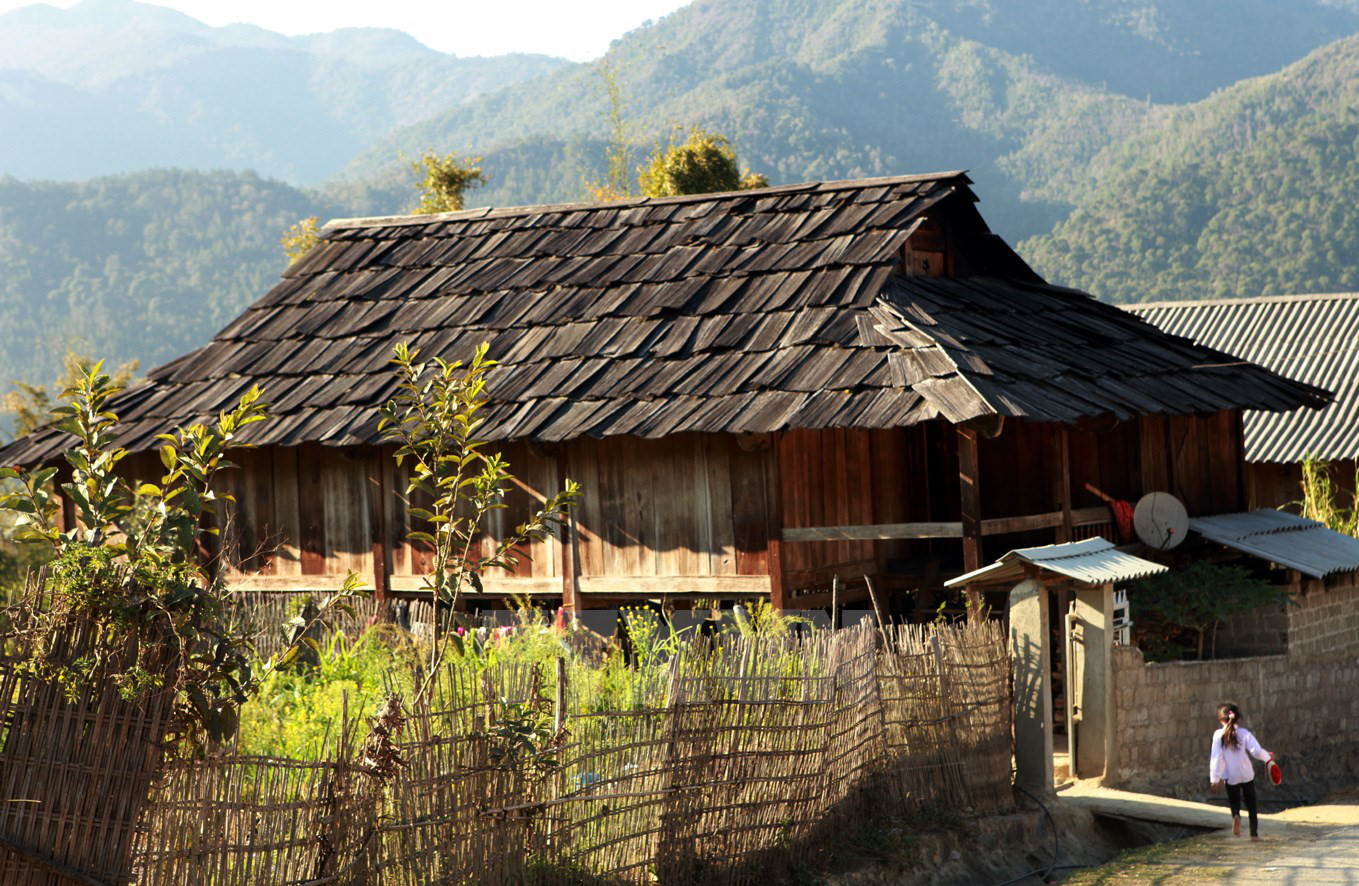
x=704 y=505
x=687 y=505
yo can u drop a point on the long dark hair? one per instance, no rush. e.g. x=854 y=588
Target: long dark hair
x=1232 y=715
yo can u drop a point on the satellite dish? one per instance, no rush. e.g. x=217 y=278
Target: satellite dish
x=1160 y=520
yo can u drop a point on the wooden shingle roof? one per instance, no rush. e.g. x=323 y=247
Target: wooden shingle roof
x=976 y=347
x=749 y=311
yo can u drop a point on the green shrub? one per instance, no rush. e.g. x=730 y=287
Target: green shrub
x=1176 y=614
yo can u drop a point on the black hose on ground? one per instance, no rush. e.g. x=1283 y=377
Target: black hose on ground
x=1043 y=873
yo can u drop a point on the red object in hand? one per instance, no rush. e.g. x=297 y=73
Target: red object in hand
x=1275 y=773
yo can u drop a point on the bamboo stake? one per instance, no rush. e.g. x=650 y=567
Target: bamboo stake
x=882 y=622
x=835 y=602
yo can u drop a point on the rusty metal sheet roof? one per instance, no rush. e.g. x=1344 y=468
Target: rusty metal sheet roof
x=1310 y=338
x=1283 y=538
x=1092 y=561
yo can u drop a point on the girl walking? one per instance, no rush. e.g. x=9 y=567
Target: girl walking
x=1233 y=746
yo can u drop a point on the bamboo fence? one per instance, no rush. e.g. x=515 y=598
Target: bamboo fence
x=76 y=762
x=744 y=755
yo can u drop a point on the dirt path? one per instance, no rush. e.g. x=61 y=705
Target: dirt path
x=1300 y=847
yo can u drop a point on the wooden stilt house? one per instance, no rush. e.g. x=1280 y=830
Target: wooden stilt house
x=757 y=391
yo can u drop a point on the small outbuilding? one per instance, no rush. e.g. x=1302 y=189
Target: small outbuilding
x=758 y=391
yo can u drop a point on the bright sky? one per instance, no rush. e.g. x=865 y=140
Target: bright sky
x=577 y=29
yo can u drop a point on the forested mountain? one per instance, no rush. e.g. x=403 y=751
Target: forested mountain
x=111 y=86
x=1023 y=94
x=1252 y=191
x=1115 y=141
x=145 y=266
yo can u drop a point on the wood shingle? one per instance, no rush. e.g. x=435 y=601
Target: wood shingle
x=741 y=312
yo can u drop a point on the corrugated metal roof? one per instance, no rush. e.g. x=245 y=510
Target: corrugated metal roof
x=1283 y=538
x=1092 y=561
x=1309 y=338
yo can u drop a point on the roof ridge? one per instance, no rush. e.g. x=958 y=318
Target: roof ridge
x=534 y=209
x=1239 y=300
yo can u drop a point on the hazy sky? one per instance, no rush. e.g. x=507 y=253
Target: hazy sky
x=577 y=29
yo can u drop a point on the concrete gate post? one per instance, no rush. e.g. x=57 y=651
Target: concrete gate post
x=1096 y=735
x=1032 y=690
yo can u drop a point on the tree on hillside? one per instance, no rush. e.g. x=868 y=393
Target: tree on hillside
x=619 y=151
x=704 y=163
x=444 y=180
x=31 y=405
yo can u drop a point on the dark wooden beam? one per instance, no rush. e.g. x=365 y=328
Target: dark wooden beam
x=969 y=499
x=66 y=516
x=311 y=497
x=378 y=499
x=773 y=498
x=1062 y=480
x=1238 y=428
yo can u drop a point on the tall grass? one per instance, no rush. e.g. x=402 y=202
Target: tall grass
x=1326 y=501
x=297 y=710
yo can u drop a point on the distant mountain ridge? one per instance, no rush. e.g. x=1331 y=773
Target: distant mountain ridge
x=1189 y=182
x=875 y=87
x=1252 y=191
x=154 y=87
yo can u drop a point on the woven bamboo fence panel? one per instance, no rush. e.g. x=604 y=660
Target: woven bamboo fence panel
x=744 y=755
x=76 y=762
x=265 y=614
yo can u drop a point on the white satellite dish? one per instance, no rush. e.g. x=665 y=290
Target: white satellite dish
x=1160 y=520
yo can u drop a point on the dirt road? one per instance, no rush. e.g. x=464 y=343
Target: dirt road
x=1300 y=847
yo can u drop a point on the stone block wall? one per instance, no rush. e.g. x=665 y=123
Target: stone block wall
x=1303 y=707
x=1262 y=631
x=1326 y=617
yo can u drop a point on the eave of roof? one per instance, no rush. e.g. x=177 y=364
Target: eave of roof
x=980 y=347
x=1283 y=538
x=1093 y=561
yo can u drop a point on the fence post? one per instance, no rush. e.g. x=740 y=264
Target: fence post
x=559 y=717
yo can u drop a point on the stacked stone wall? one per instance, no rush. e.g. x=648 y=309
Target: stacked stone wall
x=1325 y=616
x=1303 y=707
x=1303 y=704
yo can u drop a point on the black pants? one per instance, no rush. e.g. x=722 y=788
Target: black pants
x=1234 y=794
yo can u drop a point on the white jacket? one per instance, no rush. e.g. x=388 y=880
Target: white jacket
x=1232 y=765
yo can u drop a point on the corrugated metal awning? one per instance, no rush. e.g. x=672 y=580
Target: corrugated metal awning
x=1093 y=561
x=1283 y=538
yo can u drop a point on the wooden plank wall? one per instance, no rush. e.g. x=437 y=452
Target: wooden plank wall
x=691 y=505
x=702 y=506
x=304 y=515
x=1199 y=459
x=687 y=505
x=856 y=477
x=1274 y=484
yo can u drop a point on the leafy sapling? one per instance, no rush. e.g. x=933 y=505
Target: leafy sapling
x=434 y=418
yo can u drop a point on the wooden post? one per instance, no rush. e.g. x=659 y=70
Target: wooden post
x=1063 y=482
x=1238 y=428
x=835 y=603
x=969 y=497
x=773 y=498
x=377 y=510
x=66 y=517
x=571 y=598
